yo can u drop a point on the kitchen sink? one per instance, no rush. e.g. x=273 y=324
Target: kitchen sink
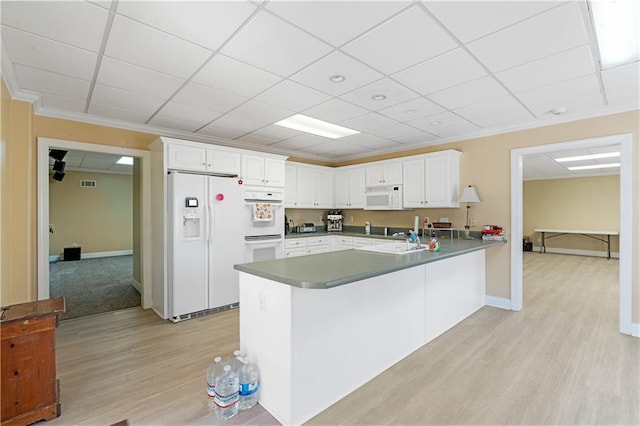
x=399 y=247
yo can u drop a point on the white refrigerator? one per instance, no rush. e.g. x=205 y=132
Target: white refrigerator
x=205 y=240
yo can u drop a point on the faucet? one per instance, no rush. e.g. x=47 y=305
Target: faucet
x=414 y=238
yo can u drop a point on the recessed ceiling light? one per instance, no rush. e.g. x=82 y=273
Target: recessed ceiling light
x=594 y=166
x=616 y=26
x=436 y=123
x=379 y=97
x=127 y=161
x=588 y=157
x=337 y=78
x=316 y=127
x=410 y=111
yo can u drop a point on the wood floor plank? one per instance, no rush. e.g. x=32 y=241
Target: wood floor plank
x=560 y=360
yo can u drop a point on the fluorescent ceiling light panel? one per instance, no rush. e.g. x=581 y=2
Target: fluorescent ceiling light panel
x=594 y=166
x=588 y=157
x=616 y=25
x=126 y=161
x=314 y=126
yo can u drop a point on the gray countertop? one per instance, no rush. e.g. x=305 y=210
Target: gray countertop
x=327 y=270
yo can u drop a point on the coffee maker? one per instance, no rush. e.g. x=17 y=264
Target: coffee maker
x=334 y=220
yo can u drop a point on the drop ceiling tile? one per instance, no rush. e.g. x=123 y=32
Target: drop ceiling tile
x=293 y=96
x=368 y=122
x=447 y=70
x=55 y=84
x=38 y=52
x=505 y=111
x=219 y=133
x=117 y=113
x=336 y=63
x=411 y=110
x=301 y=141
x=233 y=76
x=552 y=69
x=469 y=20
x=240 y=124
x=622 y=85
x=417 y=139
x=551 y=32
x=370 y=141
x=335 y=111
x=472 y=92
x=333 y=21
x=262 y=112
x=254 y=139
x=395 y=93
x=206 y=23
x=274 y=45
x=276 y=133
x=333 y=149
x=177 y=111
x=208 y=98
x=444 y=125
x=62 y=103
x=124 y=75
x=399 y=132
x=578 y=95
x=125 y=100
x=139 y=44
x=76 y=23
x=170 y=123
x=397 y=43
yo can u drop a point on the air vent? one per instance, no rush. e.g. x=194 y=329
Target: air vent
x=87 y=184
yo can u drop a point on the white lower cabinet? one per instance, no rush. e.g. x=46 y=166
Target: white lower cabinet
x=319 y=244
x=295 y=247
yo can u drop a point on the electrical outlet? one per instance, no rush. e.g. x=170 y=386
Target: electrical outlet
x=51 y=229
x=351 y=219
x=321 y=218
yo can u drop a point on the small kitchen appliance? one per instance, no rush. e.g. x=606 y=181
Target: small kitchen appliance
x=306 y=228
x=334 y=220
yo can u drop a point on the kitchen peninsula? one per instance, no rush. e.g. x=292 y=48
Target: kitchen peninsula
x=320 y=326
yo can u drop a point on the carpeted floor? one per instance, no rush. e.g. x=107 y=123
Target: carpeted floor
x=92 y=286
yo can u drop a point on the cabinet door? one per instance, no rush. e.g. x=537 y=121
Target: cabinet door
x=186 y=158
x=393 y=174
x=441 y=182
x=413 y=187
x=253 y=169
x=305 y=190
x=342 y=188
x=356 y=188
x=290 y=185
x=274 y=172
x=223 y=162
x=375 y=175
x=324 y=189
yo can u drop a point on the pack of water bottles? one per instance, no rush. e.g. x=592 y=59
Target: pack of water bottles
x=233 y=385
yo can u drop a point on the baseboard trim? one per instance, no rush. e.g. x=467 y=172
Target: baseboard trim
x=95 y=255
x=497 y=302
x=594 y=253
x=635 y=329
x=137 y=285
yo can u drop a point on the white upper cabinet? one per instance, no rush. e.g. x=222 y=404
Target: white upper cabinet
x=384 y=174
x=432 y=180
x=202 y=159
x=262 y=171
x=309 y=187
x=350 y=188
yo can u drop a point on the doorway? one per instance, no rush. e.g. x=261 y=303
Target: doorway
x=144 y=157
x=626 y=218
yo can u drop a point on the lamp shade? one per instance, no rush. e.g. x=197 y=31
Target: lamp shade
x=469 y=195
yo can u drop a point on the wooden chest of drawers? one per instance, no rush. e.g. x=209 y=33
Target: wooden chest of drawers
x=30 y=390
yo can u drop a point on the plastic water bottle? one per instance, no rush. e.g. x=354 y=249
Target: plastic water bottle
x=235 y=361
x=227 y=394
x=213 y=372
x=249 y=377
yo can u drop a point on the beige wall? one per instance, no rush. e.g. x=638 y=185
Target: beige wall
x=137 y=225
x=485 y=163
x=589 y=203
x=97 y=219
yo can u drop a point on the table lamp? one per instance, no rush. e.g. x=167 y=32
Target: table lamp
x=469 y=195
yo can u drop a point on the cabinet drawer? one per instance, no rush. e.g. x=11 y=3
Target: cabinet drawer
x=293 y=252
x=345 y=241
x=295 y=242
x=360 y=241
x=318 y=241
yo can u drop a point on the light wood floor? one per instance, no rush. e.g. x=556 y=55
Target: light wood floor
x=558 y=361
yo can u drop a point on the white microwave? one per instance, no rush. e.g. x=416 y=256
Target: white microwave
x=384 y=198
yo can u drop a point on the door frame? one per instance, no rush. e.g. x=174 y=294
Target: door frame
x=42 y=164
x=627 y=192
